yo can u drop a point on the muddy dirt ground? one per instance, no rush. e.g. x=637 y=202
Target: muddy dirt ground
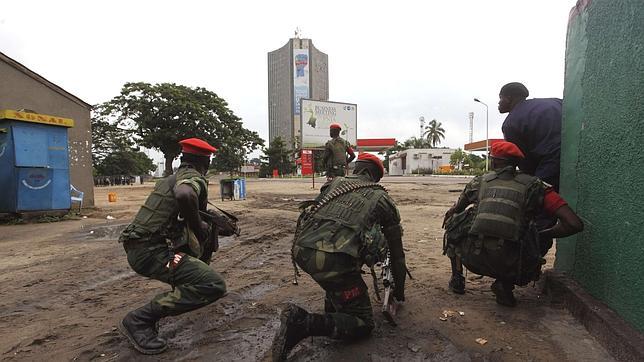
x=65 y=286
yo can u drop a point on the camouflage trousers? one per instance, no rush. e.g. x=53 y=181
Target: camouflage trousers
x=195 y=283
x=347 y=298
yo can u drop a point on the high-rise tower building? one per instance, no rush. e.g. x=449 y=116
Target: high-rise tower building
x=296 y=70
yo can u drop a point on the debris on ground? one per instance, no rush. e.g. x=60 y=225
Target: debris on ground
x=481 y=341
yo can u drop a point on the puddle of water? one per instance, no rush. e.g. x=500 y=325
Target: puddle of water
x=254 y=292
x=107 y=232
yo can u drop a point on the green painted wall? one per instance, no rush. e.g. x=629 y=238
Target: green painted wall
x=602 y=164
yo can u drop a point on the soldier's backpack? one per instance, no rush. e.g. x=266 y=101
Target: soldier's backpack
x=502 y=242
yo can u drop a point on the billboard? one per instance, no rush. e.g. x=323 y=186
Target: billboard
x=300 y=77
x=317 y=116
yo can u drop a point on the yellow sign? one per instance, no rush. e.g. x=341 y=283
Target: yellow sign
x=36 y=118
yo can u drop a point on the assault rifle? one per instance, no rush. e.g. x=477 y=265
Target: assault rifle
x=221 y=223
x=389 y=303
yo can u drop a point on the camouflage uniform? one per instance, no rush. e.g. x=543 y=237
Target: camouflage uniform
x=147 y=243
x=335 y=156
x=330 y=246
x=513 y=257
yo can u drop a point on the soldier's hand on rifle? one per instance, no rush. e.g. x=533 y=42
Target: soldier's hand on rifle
x=399 y=269
x=203 y=232
x=448 y=214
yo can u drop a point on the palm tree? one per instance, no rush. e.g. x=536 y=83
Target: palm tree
x=434 y=132
x=415 y=142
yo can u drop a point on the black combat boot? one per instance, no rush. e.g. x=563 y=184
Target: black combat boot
x=297 y=324
x=457 y=283
x=503 y=292
x=141 y=329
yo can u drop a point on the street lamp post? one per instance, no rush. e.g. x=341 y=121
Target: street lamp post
x=487 y=136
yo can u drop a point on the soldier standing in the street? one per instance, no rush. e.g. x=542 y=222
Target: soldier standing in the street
x=345 y=227
x=498 y=237
x=335 y=153
x=165 y=242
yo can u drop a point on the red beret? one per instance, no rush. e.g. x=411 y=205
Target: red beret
x=372 y=158
x=335 y=125
x=505 y=150
x=196 y=146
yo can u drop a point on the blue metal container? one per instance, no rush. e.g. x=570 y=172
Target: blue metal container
x=34 y=163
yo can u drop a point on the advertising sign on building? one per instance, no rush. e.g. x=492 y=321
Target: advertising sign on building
x=317 y=116
x=300 y=77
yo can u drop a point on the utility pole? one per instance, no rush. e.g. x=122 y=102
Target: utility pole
x=422 y=126
x=471 y=116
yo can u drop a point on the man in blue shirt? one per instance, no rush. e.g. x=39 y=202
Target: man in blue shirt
x=535 y=126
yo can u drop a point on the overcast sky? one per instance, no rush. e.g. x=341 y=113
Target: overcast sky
x=397 y=60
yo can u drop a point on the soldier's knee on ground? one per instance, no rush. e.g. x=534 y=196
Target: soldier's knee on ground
x=354 y=318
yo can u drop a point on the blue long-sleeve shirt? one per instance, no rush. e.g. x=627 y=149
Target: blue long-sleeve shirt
x=535 y=126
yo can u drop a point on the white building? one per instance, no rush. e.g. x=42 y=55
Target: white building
x=417 y=160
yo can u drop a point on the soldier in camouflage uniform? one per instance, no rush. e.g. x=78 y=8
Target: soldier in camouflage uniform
x=335 y=153
x=338 y=234
x=497 y=237
x=165 y=242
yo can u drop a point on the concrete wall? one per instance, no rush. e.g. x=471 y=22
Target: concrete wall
x=602 y=163
x=20 y=90
x=427 y=158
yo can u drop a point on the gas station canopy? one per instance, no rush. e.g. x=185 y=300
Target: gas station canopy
x=480 y=145
x=375 y=144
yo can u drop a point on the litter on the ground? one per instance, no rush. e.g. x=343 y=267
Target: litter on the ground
x=448 y=313
x=110 y=217
x=481 y=341
x=461 y=313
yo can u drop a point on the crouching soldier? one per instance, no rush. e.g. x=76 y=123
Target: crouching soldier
x=165 y=241
x=335 y=235
x=498 y=237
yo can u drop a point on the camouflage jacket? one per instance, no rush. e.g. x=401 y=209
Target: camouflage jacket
x=342 y=225
x=335 y=152
x=157 y=218
x=458 y=226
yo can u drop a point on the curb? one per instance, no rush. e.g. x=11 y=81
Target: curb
x=623 y=341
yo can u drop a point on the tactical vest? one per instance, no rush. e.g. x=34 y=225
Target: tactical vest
x=341 y=223
x=157 y=217
x=351 y=209
x=339 y=150
x=501 y=209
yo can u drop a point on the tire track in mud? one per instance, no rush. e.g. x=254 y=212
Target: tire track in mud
x=67 y=307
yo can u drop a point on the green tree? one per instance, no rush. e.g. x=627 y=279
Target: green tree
x=434 y=133
x=125 y=162
x=457 y=159
x=475 y=161
x=415 y=142
x=107 y=137
x=161 y=115
x=276 y=156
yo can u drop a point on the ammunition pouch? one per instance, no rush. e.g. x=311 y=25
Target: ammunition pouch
x=457 y=229
x=374 y=247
